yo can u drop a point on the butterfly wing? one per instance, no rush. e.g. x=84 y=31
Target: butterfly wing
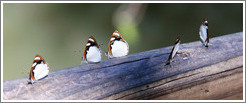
x=203 y=33
x=175 y=50
x=41 y=71
x=92 y=52
x=117 y=45
x=31 y=75
x=119 y=48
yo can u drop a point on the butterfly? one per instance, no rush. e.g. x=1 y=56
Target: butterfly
x=92 y=52
x=39 y=69
x=204 y=33
x=117 y=46
x=174 y=51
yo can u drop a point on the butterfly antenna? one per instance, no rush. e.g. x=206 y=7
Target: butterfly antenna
x=82 y=61
x=25 y=72
x=103 y=49
x=211 y=35
x=106 y=53
x=181 y=35
x=100 y=44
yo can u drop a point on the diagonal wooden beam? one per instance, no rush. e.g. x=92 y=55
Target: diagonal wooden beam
x=110 y=78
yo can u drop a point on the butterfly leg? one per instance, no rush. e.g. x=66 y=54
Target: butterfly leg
x=83 y=61
x=171 y=66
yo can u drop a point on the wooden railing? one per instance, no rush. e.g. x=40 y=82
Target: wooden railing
x=197 y=73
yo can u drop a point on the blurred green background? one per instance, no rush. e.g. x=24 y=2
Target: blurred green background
x=59 y=32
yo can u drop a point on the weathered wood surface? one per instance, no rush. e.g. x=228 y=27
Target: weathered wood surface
x=165 y=89
x=227 y=88
x=110 y=78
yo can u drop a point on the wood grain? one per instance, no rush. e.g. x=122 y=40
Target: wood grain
x=190 y=85
x=114 y=76
x=227 y=88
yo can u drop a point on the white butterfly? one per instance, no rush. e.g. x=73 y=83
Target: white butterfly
x=174 y=50
x=92 y=52
x=117 y=46
x=204 y=33
x=39 y=69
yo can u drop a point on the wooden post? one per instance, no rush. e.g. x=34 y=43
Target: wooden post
x=144 y=75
